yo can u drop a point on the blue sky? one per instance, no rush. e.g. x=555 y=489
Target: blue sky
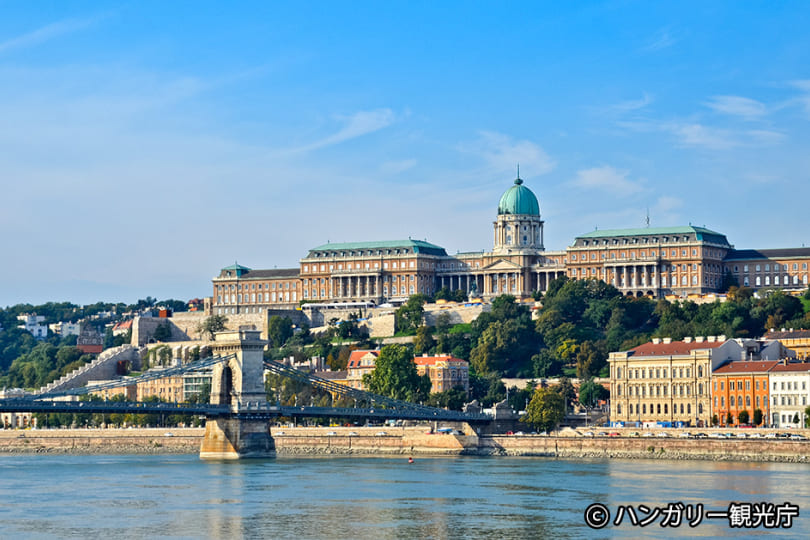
x=145 y=145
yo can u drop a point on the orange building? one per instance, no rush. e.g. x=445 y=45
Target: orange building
x=741 y=386
x=445 y=371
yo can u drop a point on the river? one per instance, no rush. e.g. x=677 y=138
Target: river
x=121 y=496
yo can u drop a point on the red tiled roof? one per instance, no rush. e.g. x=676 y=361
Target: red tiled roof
x=355 y=356
x=794 y=367
x=123 y=325
x=759 y=366
x=672 y=349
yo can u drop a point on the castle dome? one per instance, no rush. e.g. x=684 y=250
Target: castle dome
x=518 y=200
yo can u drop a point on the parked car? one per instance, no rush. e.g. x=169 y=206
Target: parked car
x=662 y=434
x=587 y=434
x=331 y=433
x=700 y=436
x=380 y=434
x=797 y=437
x=684 y=435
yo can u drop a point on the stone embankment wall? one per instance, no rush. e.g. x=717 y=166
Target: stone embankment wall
x=102 y=441
x=645 y=448
x=399 y=441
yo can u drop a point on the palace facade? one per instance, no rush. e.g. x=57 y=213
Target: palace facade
x=653 y=261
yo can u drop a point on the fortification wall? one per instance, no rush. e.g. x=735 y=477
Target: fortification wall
x=102 y=368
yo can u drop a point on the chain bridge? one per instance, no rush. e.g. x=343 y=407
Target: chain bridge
x=238 y=415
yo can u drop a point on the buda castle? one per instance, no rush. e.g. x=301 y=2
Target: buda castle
x=653 y=261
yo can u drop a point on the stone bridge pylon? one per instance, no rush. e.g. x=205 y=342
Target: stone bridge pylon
x=240 y=384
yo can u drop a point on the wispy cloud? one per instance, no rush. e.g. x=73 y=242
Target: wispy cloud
x=631 y=105
x=358 y=124
x=804 y=99
x=606 y=178
x=46 y=33
x=501 y=152
x=738 y=106
x=662 y=39
x=396 y=167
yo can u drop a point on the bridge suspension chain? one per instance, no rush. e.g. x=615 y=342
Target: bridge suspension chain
x=345 y=391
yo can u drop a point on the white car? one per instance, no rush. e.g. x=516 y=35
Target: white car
x=684 y=435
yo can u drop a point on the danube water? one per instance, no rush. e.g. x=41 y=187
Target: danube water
x=117 y=497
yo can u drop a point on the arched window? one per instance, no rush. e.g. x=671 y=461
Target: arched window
x=688 y=408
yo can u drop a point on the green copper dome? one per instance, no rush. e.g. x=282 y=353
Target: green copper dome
x=518 y=199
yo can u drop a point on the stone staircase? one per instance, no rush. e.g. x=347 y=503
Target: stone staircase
x=102 y=368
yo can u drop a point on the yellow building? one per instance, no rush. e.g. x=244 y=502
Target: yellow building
x=797 y=341
x=445 y=372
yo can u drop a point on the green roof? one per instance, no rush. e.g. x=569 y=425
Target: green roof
x=237 y=267
x=518 y=200
x=418 y=246
x=649 y=231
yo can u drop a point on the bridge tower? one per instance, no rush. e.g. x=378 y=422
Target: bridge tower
x=238 y=383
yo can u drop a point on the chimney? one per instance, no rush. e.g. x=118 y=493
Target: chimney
x=699 y=339
x=721 y=338
x=782 y=330
x=711 y=339
x=656 y=341
x=667 y=340
x=687 y=339
x=770 y=330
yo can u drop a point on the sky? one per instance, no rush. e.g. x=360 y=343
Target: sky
x=146 y=145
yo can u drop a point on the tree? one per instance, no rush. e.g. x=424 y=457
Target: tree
x=395 y=376
x=279 y=330
x=715 y=420
x=452 y=399
x=590 y=393
x=566 y=391
x=408 y=317
x=210 y=325
x=743 y=417
x=163 y=332
x=807 y=412
x=423 y=342
x=757 y=417
x=796 y=418
x=729 y=419
x=546 y=409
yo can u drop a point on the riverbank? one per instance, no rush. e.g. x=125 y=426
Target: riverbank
x=408 y=441
x=101 y=441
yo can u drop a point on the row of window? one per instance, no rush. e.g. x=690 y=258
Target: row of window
x=363 y=253
x=658 y=373
x=625 y=241
x=776 y=267
x=738 y=403
x=655 y=408
x=659 y=390
x=254 y=286
x=259 y=298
